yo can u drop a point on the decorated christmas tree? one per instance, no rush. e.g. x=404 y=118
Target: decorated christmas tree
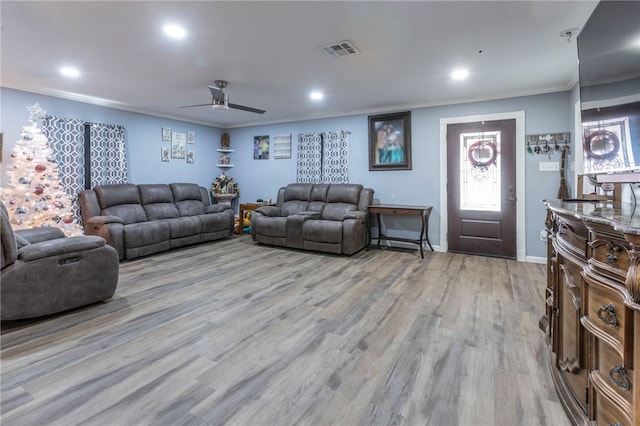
x=33 y=193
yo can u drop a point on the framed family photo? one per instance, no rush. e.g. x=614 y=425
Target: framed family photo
x=390 y=141
x=261 y=147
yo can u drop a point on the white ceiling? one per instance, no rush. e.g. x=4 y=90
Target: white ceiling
x=270 y=54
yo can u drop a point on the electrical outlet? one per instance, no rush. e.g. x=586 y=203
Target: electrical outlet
x=543 y=235
x=549 y=166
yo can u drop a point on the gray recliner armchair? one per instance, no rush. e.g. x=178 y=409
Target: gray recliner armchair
x=43 y=272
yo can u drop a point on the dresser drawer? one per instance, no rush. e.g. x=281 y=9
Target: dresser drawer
x=608 y=255
x=605 y=309
x=572 y=237
x=607 y=413
x=609 y=367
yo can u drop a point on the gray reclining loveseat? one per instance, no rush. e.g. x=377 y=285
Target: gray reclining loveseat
x=139 y=220
x=330 y=218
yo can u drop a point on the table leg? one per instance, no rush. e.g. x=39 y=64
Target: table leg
x=379 y=229
x=422 y=232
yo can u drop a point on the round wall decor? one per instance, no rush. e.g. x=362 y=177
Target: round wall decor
x=602 y=144
x=482 y=153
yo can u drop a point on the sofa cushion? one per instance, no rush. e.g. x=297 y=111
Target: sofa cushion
x=298 y=191
x=319 y=192
x=115 y=195
x=188 y=199
x=157 y=201
x=129 y=213
x=344 y=193
x=323 y=231
x=293 y=207
x=336 y=211
x=122 y=200
x=185 y=191
x=270 y=226
x=215 y=222
x=184 y=227
x=146 y=233
x=155 y=193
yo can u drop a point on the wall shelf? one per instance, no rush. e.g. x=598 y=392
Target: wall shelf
x=225 y=166
x=225 y=150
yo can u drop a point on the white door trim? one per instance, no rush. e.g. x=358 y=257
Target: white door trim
x=521 y=247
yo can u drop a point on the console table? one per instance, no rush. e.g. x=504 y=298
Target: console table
x=250 y=207
x=399 y=210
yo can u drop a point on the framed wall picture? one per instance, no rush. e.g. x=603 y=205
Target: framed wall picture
x=190 y=156
x=191 y=136
x=165 y=153
x=178 y=145
x=282 y=146
x=390 y=141
x=166 y=134
x=261 y=147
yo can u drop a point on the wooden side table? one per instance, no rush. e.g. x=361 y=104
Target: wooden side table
x=402 y=210
x=250 y=207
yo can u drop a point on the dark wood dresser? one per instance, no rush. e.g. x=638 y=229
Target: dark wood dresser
x=592 y=310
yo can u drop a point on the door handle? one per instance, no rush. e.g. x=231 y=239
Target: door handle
x=511 y=196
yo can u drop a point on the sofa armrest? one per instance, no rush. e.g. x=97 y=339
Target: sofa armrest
x=59 y=247
x=37 y=235
x=111 y=228
x=217 y=208
x=269 y=211
x=102 y=220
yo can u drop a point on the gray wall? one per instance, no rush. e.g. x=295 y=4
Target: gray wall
x=546 y=113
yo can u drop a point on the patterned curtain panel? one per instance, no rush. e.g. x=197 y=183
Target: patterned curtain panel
x=70 y=139
x=335 y=167
x=108 y=160
x=309 y=168
x=322 y=157
x=66 y=140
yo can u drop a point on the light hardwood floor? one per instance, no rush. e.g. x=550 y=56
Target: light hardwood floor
x=234 y=333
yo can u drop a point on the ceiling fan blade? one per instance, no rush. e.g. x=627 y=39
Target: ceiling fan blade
x=189 y=106
x=246 y=108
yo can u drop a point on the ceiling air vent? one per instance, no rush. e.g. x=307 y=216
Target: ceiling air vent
x=341 y=48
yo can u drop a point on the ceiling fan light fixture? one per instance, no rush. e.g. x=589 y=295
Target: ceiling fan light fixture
x=220 y=103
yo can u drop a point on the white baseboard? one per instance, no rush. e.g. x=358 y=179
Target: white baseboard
x=405 y=245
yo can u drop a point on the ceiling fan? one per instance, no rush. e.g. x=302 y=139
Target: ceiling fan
x=220 y=100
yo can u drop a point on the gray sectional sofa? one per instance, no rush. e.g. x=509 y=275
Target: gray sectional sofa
x=329 y=218
x=139 y=220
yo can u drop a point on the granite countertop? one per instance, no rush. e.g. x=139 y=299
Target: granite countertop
x=624 y=217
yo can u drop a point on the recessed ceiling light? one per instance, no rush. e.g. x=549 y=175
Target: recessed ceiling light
x=460 y=74
x=316 y=95
x=69 y=72
x=174 y=31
